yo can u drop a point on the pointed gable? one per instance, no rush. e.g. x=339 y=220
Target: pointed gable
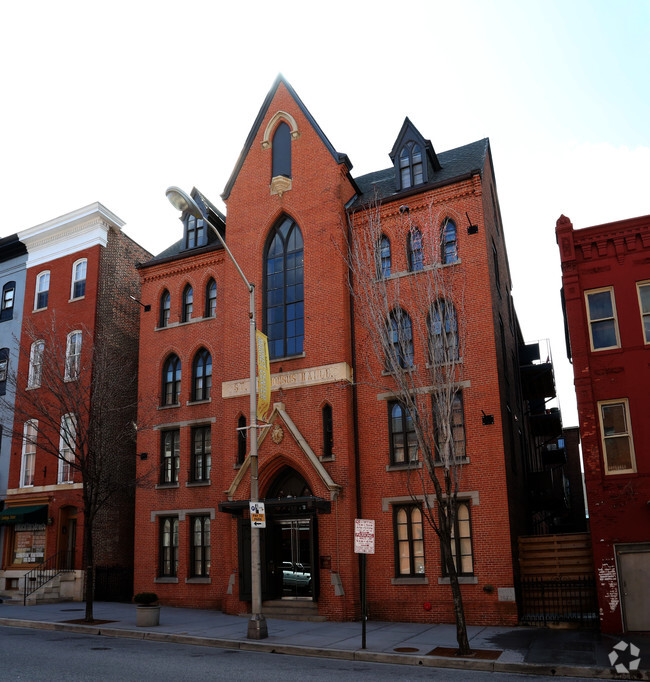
x=414 y=158
x=294 y=133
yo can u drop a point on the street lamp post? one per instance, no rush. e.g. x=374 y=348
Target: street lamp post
x=257 y=628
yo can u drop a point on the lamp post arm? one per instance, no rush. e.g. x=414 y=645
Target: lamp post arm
x=249 y=286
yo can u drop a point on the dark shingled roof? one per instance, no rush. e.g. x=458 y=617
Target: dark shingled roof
x=455 y=163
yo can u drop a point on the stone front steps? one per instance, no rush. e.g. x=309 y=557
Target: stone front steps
x=292 y=609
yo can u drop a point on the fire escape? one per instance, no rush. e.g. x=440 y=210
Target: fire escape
x=546 y=483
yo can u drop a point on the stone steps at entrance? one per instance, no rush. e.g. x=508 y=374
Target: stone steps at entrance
x=292 y=609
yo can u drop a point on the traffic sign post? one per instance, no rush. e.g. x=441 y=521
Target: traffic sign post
x=364 y=543
x=257 y=514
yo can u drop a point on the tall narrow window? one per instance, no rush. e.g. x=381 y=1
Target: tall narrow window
x=201 y=453
x=643 y=289
x=328 y=431
x=8 y=300
x=449 y=420
x=168 y=550
x=73 y=356
x=78 y=289
x=409 y=540
x=171 y=384
x=281 y=151
x=241 y=439
x=4 y=370
x=495 y=262
x=461 y=543
x=400 y=340
x=601 y=311
x=443 y=333
x=200 y=546
x=36 y=364
x=42 y=290
x=165 y=308
x=383 y=257
x=616 y=432
x=170 y=459
x=414 y=248
x=211 y=299
x=30 y=432
x=403 y=440
x=284 y=296
x=188 y=303
x=449 y=242
x=195 y=232
x=411 y=168
x=67 y=444
x=201 y=375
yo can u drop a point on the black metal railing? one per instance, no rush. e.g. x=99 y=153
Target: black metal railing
x=61 y=562
x=560 y=600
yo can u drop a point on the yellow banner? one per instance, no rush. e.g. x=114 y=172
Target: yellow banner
x=263 y=376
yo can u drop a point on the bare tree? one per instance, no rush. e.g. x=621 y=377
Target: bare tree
x=82 y=390
x=392 y=311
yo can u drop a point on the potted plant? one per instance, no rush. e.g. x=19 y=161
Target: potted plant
x=147 y=613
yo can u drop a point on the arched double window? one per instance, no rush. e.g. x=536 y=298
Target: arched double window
x=399 y=351
x=403 y=439
x=414 y=249
x=78 y=287
x=383 y=257
x=281 y=151
x=188 y=303
x=195 y=232
x=284 y=313
x=165 y=308
x=411 y=167
x=171 y=381
x=449 y=242
x=211 y=298
x=443 y=332
x=201 y=375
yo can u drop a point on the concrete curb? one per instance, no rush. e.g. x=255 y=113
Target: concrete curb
x=341 y=654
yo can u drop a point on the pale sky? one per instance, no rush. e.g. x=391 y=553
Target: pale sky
x=115 y=101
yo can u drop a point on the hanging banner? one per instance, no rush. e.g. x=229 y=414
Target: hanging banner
x=263 y=376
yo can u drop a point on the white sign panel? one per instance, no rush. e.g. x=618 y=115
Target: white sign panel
x=364 y=536
x=258 y=515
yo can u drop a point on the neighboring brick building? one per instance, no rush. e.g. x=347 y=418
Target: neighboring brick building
x=80 y=273
x=330 y=454
x=606 y=288
x=13 y=256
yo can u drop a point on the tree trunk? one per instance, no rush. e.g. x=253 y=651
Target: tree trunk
x=464 y=648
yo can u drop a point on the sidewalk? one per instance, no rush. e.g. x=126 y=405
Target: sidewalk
x=578 y=653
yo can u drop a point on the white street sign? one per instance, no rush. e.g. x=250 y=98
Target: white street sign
x=258 y=515
x=364 y=536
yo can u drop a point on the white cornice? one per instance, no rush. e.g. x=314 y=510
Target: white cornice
x=81 y=229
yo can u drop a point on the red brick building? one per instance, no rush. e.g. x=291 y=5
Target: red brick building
x=80 y=273
x=334 y=450
x=606 y=287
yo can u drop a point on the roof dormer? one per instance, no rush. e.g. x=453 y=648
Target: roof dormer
x=196 y=232
x=413 y=157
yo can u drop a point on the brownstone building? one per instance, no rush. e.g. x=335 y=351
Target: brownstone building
x=337 y=446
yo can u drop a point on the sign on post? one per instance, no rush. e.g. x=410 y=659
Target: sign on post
x=258 y=515
x=364 y=536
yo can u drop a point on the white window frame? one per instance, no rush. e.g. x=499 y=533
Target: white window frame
x=73 y=356
x=28 y=456
x=39 y=278
x=75 y=280
x=67 y=444
x=644 y=314
x=36 y=364
x=589 y=292
x=603 y=437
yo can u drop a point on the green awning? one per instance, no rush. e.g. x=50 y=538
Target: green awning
x=35 y=513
